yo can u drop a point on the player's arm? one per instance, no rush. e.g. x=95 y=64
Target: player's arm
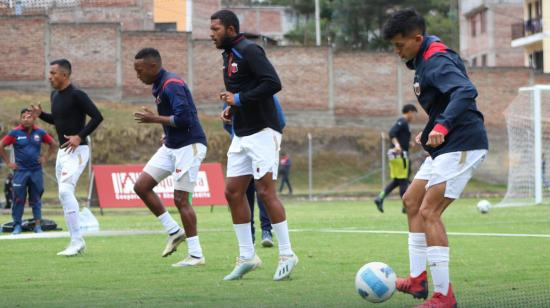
x=37 y=112
x=7 y=140
x=446 y=76
x=268 y=80
x=52 y=146
x=393 y=136
x=89 y=108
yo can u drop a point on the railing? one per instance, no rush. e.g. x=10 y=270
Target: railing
x=526 y=28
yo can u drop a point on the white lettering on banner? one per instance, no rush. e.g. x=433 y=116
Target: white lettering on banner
x=123 y=186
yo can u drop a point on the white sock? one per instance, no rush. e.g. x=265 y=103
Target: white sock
x=194 y=246
x=417 y=253
x=281 y=230
x=170 y=225
x=70 y=210
x=438 y=258
x=244 y=237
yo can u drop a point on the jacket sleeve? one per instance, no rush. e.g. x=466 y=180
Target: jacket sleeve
x=89 y=108
x=180 y=102
x=394 y=130
x=280 y=112
x=264 y=72
x=447 y=77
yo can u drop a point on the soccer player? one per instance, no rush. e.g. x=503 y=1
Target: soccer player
x=456 y=140
x=250 y=83
x=181 y=154
x=70 y=106
x=27 y=141
x=400 y=137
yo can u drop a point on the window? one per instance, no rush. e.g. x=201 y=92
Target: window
x=474 y=61
x=165 y=26
x=473 y=26
x=484 y=60
x=483 y=21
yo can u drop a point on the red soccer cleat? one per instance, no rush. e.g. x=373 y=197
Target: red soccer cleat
x=416 y=286
x=439 y=300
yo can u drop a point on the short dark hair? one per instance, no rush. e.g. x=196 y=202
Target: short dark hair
x=64 y=64
x=404 y=22
x=149 y=53
x=24 y=110
x=408 y=108
x=227 y=18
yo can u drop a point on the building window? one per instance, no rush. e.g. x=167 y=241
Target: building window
x=483 y=21
x=474 y=61
x=484 y=60
x=165 y=26
x=473 y=26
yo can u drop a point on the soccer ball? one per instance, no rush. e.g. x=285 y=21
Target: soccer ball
x=483 y=206
x=375 y=282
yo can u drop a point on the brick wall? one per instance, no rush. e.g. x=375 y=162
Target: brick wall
x=265 y=20
x=173 y=50
x=91 y=49
x=202 y=10
x=22 y=46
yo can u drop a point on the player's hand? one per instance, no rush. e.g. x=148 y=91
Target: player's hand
x=435 y=139
x=72 y=143
x=417 y=138
x=226 y=115
x=397 y=149
x=12 y=166
x=36 y=110
x=162 y=138
x=145 y=116
x=42 y=159
x=228 y=97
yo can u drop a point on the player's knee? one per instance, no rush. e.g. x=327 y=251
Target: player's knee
x=181 y=200
x=140 y=188
x=66 y=192
x=409 y=201
x=231 y=193
x=428 y=213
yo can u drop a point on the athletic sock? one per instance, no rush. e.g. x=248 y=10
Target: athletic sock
x=417 y=253
x=438 y=258
x=194 y=247
x=73 y=225
x=281 y=230
x=70 y=210
x=382 y=194
x=244 y=237
x=170 y=225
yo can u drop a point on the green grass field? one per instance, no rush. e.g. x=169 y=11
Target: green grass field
x=330 y=238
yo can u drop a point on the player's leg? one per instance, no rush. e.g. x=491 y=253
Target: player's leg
x=20 y=179
x=267 y=237
x=379 y=200
x=187 y=161
x=251 y=197
x=157 y=169
x=36 y=189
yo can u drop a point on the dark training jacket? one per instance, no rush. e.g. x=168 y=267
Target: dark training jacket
x=445 y=92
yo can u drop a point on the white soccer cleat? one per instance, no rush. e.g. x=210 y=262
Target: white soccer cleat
x=74 y=248
x=285 y=267
x=190 y=261
x=243 y=266
x=173 y=242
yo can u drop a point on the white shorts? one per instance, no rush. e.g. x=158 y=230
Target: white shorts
x=455 y=168
x=255 y=155
x=69 y=167
x=182 y=163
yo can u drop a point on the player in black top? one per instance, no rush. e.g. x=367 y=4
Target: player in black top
x=70 y=106
x=400 y=137
x=250 y=85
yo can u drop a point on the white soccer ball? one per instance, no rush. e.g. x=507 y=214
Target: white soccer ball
x=375 y=282
x=483 y=206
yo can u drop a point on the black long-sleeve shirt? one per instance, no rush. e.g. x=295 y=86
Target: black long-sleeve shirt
x=69 y=109
x=249 y=74
x=400 y=130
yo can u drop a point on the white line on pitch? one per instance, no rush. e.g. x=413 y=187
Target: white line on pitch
x=406 y=232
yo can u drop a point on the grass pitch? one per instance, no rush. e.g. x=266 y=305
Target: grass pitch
x=332 y=240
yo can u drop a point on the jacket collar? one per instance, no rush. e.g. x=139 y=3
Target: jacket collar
x=415 y=62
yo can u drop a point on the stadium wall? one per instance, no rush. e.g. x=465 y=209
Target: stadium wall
x=344 y=88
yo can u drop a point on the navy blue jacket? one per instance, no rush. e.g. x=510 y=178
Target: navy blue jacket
x=445 y=92
x=27 y=146
x=251 y=77
x=280 y=114
x=174 y=100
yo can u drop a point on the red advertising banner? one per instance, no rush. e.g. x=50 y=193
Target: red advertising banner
x=115 y=186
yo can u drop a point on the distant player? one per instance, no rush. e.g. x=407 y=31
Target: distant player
x=400 y=137
x=27 y=141
x=181 y=154
x=70 y=106
x=456 y=140
x=250 y=83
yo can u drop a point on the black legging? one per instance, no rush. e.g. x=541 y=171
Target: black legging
x=402 y=183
